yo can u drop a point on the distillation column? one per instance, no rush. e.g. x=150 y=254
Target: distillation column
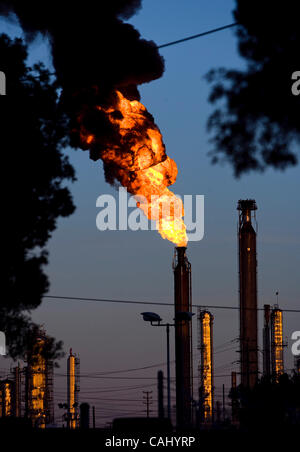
x=276 y=343
x=73 y=390
x=206 y=391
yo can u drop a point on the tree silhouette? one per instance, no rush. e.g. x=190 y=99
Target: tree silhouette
x=33 y=131
x=256 y=124
x=269 y=404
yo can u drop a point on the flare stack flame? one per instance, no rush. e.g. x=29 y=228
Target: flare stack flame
x=100 y=97
x=135 y=154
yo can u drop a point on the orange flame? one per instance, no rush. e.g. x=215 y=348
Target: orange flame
x=143 y=166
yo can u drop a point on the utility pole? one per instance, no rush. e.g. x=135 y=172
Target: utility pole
x=160 y=393
x=148 y=401
x=234 y=403
x=181 y=319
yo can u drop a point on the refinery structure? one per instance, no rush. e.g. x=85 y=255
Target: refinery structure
x=205 y=345
x=39 y=384
x=73 y=388
x=277 y=343
x=273 y=344
x=27 y=391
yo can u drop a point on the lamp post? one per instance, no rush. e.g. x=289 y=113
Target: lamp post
x=155 y=320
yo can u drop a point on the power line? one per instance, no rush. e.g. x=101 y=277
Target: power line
x=107 y=300
x=125 y=388
x=107 y=377
x=178 y=41
x=127 y=370
x=225 y=350
x=199 y=35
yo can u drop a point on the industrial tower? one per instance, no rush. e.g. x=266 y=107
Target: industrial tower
x=39 y=383
x=248 y=293
x=73 y=385
x=276 y=343
x=10 y=394
x=183 y=338
x=266 y=342
x=205 y=345
x=6 y=398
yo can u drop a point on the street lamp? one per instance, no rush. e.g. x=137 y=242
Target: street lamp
x=155 y=320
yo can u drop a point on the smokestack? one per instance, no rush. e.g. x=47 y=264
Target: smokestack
x=248 y=293
x=277 y=343
x=183 y=337
x=266 y=342
x=205 y=319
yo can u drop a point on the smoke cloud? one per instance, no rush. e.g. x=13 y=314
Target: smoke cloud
x=94 y=53
x=100 y=60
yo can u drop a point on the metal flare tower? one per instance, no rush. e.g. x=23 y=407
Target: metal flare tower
x=205 y=345
x=183 y=338
x=276 y=343
x=73 y=386
x=248 y=293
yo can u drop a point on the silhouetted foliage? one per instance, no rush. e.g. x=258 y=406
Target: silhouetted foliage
x=94 y=52
x=257 y=124
x=39 y=344
x=33 y=132
x=269 y=404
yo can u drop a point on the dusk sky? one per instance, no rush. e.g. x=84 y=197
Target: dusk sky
x=85 y=262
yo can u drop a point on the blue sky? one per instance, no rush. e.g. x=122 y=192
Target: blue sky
x=137 y=265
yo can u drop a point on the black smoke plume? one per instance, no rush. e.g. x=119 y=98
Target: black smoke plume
x=94 y=53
